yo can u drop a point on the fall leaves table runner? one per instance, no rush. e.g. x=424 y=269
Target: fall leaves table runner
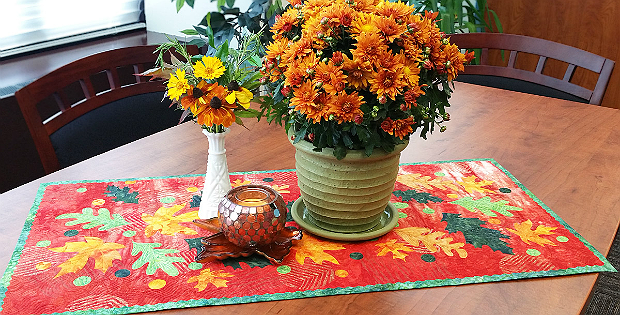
x=128 y=245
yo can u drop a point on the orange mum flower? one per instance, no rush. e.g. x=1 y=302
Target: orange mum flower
x=358 y=72
x=454 y=62
x=303 y=99
x=369 y=47
x=298 y=49
x=345 y=107
x=295 y=75
x=285 y=22
x=388 y=83
x=321 y=108
x=313 y=7
x=402 y=127
x=388 y=28
x=412 y=95
x=340 y=14
x=331 y=77
x=394 y=10
x=366 y=6
x=362 y=23
x=387 y=126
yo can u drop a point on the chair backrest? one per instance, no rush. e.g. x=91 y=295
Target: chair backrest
x=545 y=49
x=47 y=104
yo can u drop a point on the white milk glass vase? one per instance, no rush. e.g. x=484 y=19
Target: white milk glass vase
x=217 y=179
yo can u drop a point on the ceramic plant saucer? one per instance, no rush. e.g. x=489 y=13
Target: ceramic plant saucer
x=387 y=222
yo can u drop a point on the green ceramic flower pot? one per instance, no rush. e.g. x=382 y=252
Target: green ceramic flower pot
x=348 y=195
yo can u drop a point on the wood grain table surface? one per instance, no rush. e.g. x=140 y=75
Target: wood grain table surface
x=566 y=153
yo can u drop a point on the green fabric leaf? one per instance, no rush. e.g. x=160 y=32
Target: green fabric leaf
x=420 y=197
x=486 y=206
x=122 y=194
x=475 y=234
x=155 y=258
x=102 y=218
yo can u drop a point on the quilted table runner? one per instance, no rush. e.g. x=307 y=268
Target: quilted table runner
x=126 y=246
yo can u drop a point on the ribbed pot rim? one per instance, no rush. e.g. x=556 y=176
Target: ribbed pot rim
x=328 y=153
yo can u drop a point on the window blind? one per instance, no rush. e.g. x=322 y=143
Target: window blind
x=30 y=25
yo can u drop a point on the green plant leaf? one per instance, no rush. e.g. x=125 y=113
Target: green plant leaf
x=190 y=3
x=230 y=3
x=179 y=5
x=190 y=32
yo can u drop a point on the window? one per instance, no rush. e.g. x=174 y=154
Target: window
x=30 y=25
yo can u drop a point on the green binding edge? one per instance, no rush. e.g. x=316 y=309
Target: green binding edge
x=5 y=281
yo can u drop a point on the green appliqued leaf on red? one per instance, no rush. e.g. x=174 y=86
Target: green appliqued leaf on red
x=195 y=203
x=194 y=243
x=420 y=197
x=252 y=261
x=122 y=194
x=486 y=206
x=92 y=220
x=155 y=258
x=475 y=234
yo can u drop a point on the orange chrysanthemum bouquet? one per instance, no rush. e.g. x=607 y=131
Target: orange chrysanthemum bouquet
x=358 y=74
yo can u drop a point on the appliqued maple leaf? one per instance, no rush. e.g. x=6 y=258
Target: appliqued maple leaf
x=525 y=232
x=486 y=206
x=395 y=248
x=475 y=234
x=103 y=253
x=282 y=189
x=122 y=194
x=165 y=222
x=311 y=247
x=238 y=182
x=156 y=258
x=419 y=181
x=420 y=197
x=433 y=241
x=207 y=277
x=470 y=184
x=102 y=218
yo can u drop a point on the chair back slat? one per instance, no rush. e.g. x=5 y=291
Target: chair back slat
x=545 y=50
x=541 y=64
x=570 y=70
x=512 y=59
x=87 y=88
x=113 y=78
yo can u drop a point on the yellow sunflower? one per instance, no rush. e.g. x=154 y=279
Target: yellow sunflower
x=209 y=68
x=177 y=85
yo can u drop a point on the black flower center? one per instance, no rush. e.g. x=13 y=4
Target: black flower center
x=233 y=86
x=216 y=102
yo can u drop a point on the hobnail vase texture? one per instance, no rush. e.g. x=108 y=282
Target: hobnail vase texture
x=217 y=179
x=347 y=195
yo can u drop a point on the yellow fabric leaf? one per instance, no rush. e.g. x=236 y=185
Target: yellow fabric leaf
x=392 y=247
x=311 y=247
x=525 y=232
x=470 y=184
x=165 y=222
x=207 y=277
x=419 y=181
x=103 y=253
x=433 y=241
x=238 y=182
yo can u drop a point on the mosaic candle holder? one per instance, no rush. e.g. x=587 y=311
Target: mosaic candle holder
x=251 y=219
x=252 y=215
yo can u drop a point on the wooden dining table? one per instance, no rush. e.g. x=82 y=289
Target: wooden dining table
x=566 y=153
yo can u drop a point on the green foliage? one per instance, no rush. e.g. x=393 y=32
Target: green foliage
x=475 y=234
x=228 y=21
x=122 y=194
x=460 y=15
x=155 y=258
x=420 y=197
x=486 y=206
x=102 y=218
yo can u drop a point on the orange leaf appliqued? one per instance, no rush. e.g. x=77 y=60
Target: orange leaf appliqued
x=525 y=232
x=310 y=247
x=470 y=184
x=165 y=222
x=395 y=248
x=419 y=181
x=433 y=241
x=238 y=182
x=103 y=253
x=207 y=277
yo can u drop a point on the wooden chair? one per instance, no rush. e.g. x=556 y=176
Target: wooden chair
x=545 y=49
x=64 y=109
